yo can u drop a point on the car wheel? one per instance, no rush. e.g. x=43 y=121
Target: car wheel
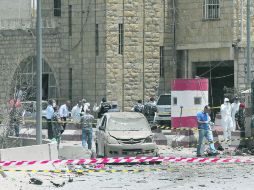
x=44 y=123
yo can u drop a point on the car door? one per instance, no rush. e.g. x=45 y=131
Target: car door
x=101 y=135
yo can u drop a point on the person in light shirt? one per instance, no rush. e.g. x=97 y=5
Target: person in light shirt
x=49 y=116
x=75 y=112
x=204 y=129
x=64 y=113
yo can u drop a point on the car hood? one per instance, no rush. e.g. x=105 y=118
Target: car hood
x=129 y=134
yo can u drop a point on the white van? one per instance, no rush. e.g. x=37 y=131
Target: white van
x=163 y=105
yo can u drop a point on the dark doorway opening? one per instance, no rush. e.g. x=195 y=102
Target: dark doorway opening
x=45 y=85
x=220 y=75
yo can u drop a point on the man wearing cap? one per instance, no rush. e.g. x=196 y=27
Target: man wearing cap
x=234 y=109
x=226 y=119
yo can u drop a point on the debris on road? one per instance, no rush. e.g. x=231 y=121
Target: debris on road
x=35 y=181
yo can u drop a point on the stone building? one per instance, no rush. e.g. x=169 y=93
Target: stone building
x=91 y=49
x=124 y=50
x=210 y=38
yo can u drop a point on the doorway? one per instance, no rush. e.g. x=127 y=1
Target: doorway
x=220 y=74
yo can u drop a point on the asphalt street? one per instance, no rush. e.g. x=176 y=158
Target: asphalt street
x=157 y=176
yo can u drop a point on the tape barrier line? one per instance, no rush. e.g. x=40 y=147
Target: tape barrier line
x=94 y=170
x=121 y=160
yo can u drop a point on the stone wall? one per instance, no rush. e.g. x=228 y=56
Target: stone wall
x=240 y=18
x=134 y=74
x=167 y=41
x=193 y=29
x=16 y=46
x=79 y=50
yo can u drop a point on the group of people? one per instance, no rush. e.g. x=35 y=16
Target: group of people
x=81 y=116
x=148 y=109
x=232 y=118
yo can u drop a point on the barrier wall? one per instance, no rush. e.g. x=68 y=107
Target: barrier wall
x=188 y=96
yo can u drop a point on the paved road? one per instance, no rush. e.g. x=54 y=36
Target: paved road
x=178 y=176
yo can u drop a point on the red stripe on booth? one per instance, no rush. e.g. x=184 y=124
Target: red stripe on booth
x=189 y=84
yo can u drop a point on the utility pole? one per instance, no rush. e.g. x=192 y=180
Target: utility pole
x=249 y=78
x=38 y=74
x=82 y=47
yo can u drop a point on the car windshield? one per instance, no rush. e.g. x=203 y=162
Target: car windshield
x=127 y=124
x=164 y=100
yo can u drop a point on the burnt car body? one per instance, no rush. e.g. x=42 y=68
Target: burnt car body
x=124 y=134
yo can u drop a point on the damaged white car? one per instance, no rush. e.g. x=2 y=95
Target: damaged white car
x=124 y=134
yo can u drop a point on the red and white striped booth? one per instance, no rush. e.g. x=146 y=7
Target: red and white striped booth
x=188 y=96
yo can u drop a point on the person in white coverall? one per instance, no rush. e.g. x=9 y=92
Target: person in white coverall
x=226 y=119
x=234 y=108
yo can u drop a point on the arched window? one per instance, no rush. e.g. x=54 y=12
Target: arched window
x=24 y=81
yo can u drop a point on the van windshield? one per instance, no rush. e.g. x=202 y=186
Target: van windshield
x=164 y=100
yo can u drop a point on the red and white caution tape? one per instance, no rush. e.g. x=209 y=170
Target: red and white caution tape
x=120 y=160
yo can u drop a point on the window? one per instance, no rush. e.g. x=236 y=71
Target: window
x=211 y=9
x=70 y=19
x=121 y=40
x=161 y=61
x=197 y=100
x=97 y=39
x=175 y=101
x=164 y=100
x=57 y=7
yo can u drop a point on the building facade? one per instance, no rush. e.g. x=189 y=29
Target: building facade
x=124 y=50
x=210 y=42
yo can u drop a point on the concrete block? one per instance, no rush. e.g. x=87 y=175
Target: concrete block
x=160 y=139
x=35 y=152
x=74 y=152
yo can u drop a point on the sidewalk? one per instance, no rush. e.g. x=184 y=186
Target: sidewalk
x=174 y=138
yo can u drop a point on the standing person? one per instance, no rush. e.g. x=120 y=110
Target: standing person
x=49 y=116
x=226 y=119
x=234 y=109
x=114 y=107
x=56 y=127
x=240 y=120
x=102 y=108
x=87 y=128
x=15 y=119
x=150 y=109
x=204 y=130
x=139 y=107
x=85 y=105
x=64 y=113
x=75 y=113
